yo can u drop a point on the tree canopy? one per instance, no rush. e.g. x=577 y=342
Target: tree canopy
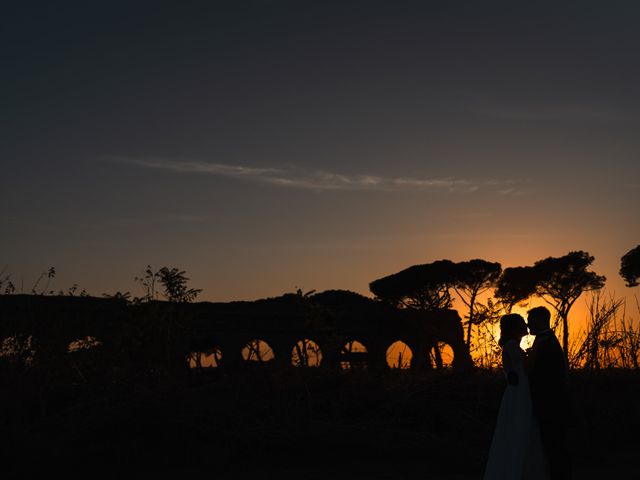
x=630 y=267
x=558 y=280
x=425 y=287
x=428 y=286
x=516 y=285
x=562 y=280
x=565 y=278
x=471 y=279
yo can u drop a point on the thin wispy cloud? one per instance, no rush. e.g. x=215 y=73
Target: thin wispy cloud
x=322 y=180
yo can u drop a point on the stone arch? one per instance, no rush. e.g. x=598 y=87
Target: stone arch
x=258 y=350
x=399 y=355
x=353 y=355
x=446 y=327
x=442 y=355
x=306 y=353
x=211 y=358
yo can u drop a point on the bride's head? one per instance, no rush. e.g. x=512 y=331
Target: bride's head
x=512 y=327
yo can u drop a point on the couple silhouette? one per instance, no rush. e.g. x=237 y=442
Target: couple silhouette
x=529 y=441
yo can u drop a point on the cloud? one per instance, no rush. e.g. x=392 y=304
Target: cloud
x=322 y=180
x=200 y=167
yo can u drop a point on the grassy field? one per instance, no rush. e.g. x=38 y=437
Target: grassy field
x=304 y=424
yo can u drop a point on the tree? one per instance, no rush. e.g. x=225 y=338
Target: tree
x=560 y=281
x=471 y=280
x=515 y=285
x=173 y=280
x=423 y=287
x=630 y=267
x=148 y=283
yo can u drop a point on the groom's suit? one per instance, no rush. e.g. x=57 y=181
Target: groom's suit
x=548 y=378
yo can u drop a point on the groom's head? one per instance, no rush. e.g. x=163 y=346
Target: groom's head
x=538 y=320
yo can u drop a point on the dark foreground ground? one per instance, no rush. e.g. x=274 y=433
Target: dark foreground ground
x=302 y=424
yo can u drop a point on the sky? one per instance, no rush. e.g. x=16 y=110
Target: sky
x=264 y=146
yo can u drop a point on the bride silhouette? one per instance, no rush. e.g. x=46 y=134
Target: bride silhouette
x=516 y=449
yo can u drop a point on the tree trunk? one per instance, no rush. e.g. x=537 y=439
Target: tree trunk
x=565 y=336
x=565 y=330
x=437 y=356
x=472 y=301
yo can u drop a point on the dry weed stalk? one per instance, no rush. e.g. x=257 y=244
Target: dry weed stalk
x=610 y=339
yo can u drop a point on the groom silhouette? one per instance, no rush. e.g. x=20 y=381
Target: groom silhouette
x=547 y=371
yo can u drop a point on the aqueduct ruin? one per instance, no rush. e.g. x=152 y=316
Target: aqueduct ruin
x=328 y=329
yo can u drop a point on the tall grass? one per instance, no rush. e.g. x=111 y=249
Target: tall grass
x=610 y=338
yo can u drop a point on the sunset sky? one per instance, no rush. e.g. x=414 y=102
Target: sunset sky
x=263 y=146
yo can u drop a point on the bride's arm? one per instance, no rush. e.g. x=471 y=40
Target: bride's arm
x=511 y=362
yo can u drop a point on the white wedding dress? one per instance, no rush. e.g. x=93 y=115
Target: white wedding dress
x=516 y=449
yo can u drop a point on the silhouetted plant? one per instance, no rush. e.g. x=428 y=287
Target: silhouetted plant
x=595 y=347
x=18 y=350
x=6 y=285
x=423 y=287
x=84 y=343
x=515 y=285
x=609 y=339
x=561 y=281
x=126 y=296
x=488 y=353
x=49 y=274
x=86 y=357
x=207 y=359
x=558 y=281
x=630 y=267
x=148 y=282
x=173 y=281
x=175 y=286
x=303 y=294
x=72 y=291
x=258 y=350
x=306 y=353
x=630 y=345
x=472 y=279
